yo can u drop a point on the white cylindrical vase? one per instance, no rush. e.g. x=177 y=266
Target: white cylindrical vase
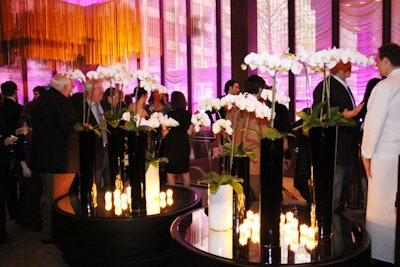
x=220 y=243
x=152 y=190
x=220 y=208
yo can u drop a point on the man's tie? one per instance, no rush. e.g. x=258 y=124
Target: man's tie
x=100 y=118
x=351 y=96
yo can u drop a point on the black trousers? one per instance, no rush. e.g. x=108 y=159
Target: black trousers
x=29 y=206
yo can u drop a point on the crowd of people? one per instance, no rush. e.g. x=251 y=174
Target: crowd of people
x=38 y=143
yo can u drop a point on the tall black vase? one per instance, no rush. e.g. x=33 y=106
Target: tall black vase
x=136 y=171
x=271 y=171
x=116 y=150
x=87 y=160
x=323 y=153
x=241 y=169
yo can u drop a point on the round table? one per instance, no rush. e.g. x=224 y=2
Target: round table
x=107 y=239
x=195 y=245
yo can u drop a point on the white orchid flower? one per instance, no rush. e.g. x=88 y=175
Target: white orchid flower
x=126 y=116
x=222 y=125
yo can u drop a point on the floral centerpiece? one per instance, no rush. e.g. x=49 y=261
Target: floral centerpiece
x=78 y=75
x=273 y=64
x=322 y=61
x=119 y=77
x=225 y=127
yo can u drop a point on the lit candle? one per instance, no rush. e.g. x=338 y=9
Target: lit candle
x=303 y=230
x=117 y=195
x=163 y=203
x=124 y=201
x=117 y=202
x=162 y=196
x=118 y=210
x=169 y=193
x=289 y=216
x=108 y=200
x=295 y=223
x=283 y=218
x=311 y=233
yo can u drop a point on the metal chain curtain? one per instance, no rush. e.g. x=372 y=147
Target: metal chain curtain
x=96 y=31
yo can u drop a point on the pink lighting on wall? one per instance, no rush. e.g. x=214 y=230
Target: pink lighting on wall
x=85 y=3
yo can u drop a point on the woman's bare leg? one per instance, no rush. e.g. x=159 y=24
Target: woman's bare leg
x=186 y=179
x=171 y=178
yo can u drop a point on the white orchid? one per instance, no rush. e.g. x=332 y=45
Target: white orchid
x=267 y=94
x=200 y=120
x=328 y=58
x=126 y=116
x=92 y=75
x=164 y=120
x=75 y=74
x=273 y=64
x=222 y=125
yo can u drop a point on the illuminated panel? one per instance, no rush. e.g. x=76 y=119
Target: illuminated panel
x=85 y=2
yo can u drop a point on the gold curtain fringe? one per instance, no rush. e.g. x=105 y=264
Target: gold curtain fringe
x=101 y=33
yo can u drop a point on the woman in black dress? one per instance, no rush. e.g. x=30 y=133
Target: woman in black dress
x=177 y=146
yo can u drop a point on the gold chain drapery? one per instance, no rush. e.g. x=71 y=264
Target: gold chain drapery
x=98 y=31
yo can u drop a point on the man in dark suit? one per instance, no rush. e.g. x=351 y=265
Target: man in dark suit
x=55 y=144
x=5 y=142
x=341 y=97
x=231 y=88
x=94 y=95
x=11 y=111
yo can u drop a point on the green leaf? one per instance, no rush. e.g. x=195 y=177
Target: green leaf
x=254 y=131
x=304 y=116
x=236 y=186
x=271 y=133
x=78 y=127
x=214 y=180
x=214 y=188
x=316 y=110
x=131 y=125
x=97 y=132
x=114 y=123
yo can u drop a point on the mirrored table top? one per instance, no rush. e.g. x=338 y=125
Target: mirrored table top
x=191 y=232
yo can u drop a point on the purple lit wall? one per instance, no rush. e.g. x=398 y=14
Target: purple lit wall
x=360 y=28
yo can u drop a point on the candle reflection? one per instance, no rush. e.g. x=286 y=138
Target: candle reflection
x=293 y=237
x=122 y=201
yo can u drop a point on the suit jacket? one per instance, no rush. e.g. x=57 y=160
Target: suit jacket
x=347 y=137
x=101 y=153
x=78 y=115
x=13 y=112
x=55 y=144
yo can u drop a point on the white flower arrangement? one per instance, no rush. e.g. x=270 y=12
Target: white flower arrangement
x=322 y=61
x=241 y=101
x=200 y=120
x=222 y=125
x=272 y=63
x=119 y=74
x=328 y=58
x=75 y=74
x=268 y=95
x=156 y=120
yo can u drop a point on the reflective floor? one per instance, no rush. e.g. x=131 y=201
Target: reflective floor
x=26 y=248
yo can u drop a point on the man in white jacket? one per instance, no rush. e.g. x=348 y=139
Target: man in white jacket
x=380 y=153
